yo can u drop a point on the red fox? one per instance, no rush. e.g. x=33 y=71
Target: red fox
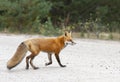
x=48 y=45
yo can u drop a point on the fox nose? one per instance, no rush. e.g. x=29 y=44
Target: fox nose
x=72 y=41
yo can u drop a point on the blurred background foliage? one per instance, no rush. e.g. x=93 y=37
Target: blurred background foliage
x=53 y=16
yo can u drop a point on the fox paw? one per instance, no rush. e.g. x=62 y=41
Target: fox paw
x=63 y=65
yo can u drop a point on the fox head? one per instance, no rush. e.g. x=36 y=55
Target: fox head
x=68 y=37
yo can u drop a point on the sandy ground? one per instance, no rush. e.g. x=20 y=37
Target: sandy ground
x=87 y=61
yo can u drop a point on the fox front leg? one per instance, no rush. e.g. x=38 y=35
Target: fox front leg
x=58 y=60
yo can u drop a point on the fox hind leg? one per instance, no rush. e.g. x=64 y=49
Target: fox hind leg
x=31 y=57
x=27 y=61
x=31 y=63
x=50 y=59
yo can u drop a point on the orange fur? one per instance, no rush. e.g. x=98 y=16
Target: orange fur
x=48 y=45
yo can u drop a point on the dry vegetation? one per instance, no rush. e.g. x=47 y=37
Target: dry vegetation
x=103 y=36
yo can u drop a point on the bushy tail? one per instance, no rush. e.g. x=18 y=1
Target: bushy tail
x=18 y=56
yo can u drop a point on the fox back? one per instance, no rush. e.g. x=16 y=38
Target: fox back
x=50 y=45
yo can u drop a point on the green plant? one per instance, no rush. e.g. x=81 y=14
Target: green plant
x=110 y=36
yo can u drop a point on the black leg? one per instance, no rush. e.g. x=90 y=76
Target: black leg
x=50 y=59
x=31 y=63
x=58 y=60
x=27 y=61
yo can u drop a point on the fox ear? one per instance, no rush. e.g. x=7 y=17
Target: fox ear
x=65 y=33
x=70 y=32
